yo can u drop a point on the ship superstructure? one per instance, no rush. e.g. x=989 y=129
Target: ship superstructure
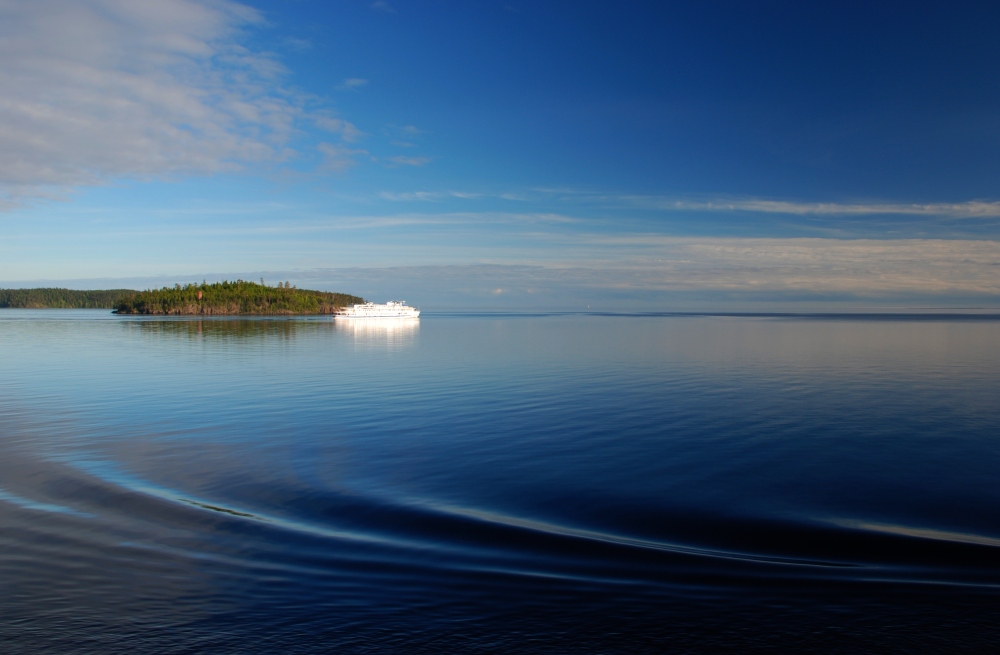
x=392 y=309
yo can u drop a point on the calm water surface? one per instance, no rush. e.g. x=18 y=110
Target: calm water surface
x=511 y=483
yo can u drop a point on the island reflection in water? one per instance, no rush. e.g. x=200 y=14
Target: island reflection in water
x=388 y=334
x=263 y=329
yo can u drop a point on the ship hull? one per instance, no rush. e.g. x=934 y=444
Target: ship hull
x=413 y=314
x=392 y=309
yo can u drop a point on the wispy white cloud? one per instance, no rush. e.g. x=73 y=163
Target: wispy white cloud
x=413 y=196
x=405 y=131
x=970 y=209
x=860 y=269
x=966 y=209
x=338 y=158
x=859 y=266
x=299 y=45
x=352 y=84
x=401 y=160
x=382 y=5
x=427 y=196
x=93 y=90
x=480 y=219
x=347 y=131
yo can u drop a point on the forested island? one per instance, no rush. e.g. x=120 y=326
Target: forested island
x=47 y=298
x=239 y=297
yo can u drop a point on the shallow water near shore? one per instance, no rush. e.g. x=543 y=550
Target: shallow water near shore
x=520 y=483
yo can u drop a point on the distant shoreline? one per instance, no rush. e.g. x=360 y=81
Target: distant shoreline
x=56 y=298
x=238 y=298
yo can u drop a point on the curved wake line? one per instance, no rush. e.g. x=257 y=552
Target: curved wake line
x=918 y=533
x=462 y=538
x=27 y=503
x=621 y=540
x=437 y=511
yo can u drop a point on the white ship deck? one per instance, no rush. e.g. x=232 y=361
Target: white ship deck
x=391 y=309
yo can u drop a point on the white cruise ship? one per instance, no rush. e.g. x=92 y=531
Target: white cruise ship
x=392 y=309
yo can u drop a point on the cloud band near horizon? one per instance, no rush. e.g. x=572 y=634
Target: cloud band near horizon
x=862 y=268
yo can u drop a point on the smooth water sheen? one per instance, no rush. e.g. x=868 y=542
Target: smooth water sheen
x=507 y=483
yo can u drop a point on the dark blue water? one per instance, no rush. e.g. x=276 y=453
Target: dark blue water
x=516 y=484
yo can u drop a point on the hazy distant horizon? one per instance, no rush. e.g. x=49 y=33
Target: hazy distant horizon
x=513 y=288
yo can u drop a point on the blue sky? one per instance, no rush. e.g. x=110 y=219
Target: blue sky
x=507 y=154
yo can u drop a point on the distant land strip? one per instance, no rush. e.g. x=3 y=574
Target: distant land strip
x=239 y=297
x=49 y=298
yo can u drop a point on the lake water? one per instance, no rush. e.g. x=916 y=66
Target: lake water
x=499 y=483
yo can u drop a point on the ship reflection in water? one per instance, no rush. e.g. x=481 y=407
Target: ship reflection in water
x=390 y=333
